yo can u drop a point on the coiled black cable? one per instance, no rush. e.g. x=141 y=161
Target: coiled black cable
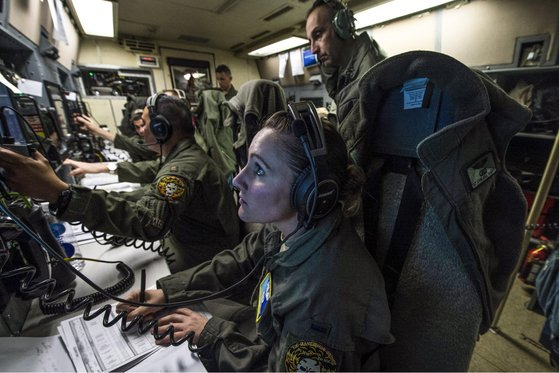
x=120 y=287
x=27 y=274
x=110 y=239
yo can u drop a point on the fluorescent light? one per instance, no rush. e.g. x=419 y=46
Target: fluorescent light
x=96 y=17
x=280 y=46
x=394 y=9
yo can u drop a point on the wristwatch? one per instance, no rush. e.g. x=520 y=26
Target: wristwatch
x=112 y=168
x=57 y=208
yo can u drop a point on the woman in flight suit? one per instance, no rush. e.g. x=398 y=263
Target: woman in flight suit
x=320 y=302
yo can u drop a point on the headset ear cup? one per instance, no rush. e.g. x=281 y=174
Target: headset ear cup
x=160 y=128
x=343 y=23
x=301 y=191
x=327 y=198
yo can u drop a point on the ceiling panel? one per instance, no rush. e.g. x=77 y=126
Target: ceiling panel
x=223 y=23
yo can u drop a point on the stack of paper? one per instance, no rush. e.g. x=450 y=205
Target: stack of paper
x=88 y=346
x=95 y=348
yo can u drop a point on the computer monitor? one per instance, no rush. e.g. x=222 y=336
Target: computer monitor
x=309 y=58
x=29 y=110
x=63 y=119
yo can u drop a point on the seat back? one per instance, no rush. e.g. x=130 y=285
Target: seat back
x=433 y=182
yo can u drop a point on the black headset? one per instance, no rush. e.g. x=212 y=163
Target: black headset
x=343 y=22
x=159 y=125
x=314 y=192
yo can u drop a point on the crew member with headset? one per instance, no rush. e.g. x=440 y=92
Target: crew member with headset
x=188 y=204
x=320 y=303
x=144 y=165
x=344 y=57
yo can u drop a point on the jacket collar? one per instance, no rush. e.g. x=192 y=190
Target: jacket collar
x=302 y=246
x=179 y=147
x=476 y=94
x=337 y=78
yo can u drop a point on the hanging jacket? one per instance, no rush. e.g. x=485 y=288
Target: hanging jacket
x=255 y=100
x=211 y=115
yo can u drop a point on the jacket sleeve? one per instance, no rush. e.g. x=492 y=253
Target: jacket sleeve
x=137 y=151
x=147 y=218
x=224 y=270
x=224 y=347
x=139 y=172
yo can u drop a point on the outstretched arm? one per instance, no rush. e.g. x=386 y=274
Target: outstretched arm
x=87 y=124
x=32 y=176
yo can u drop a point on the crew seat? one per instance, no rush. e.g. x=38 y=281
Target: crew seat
x=442 y=215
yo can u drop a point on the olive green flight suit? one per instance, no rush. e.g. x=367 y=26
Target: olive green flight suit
x=189 y=204
x=232 y=92
x=133 y=145
x=342 y=84
x=325 y=307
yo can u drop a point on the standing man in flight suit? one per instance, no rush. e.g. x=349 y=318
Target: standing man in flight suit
x=344 y=57
x=224 y=78
x=188 y=204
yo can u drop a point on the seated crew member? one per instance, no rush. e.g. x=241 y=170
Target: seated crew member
x=133 y=145
x=188 y=203
x=136 y=171
x=142 y=170
x=321 y=299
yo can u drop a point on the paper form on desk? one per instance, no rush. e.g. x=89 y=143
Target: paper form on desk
x=96 y=348
x=34 y=354
x=171 y=359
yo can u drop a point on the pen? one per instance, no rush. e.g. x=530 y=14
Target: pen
x=143 y=286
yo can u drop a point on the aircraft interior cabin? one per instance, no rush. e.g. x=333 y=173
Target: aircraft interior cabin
x=286 y=185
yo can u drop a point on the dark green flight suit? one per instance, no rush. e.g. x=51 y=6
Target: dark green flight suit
x=133 y=145
x=188 y=203
x=325 y=308
x=232 y=92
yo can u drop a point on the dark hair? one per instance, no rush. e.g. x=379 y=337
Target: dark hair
x=176 y=112
x=136 y=114
x=223 y=69
x=333 y=5
x=349 y=177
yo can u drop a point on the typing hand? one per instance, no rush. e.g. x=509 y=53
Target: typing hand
x=184 y=321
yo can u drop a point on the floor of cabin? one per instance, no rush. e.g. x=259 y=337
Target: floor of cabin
x=514 y=345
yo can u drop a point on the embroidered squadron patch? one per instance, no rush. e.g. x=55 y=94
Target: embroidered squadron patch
x=172 y=187
x=309 y=357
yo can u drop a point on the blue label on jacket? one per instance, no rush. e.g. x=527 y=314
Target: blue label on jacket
x=414 y=93
x=264 y=294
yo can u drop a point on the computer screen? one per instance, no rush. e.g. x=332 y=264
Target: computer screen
x=58 y=102
x=29 y=110
x=309 y=58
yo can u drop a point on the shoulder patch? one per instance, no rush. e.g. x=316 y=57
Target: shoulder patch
x=172 y=187
x=309 y=357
